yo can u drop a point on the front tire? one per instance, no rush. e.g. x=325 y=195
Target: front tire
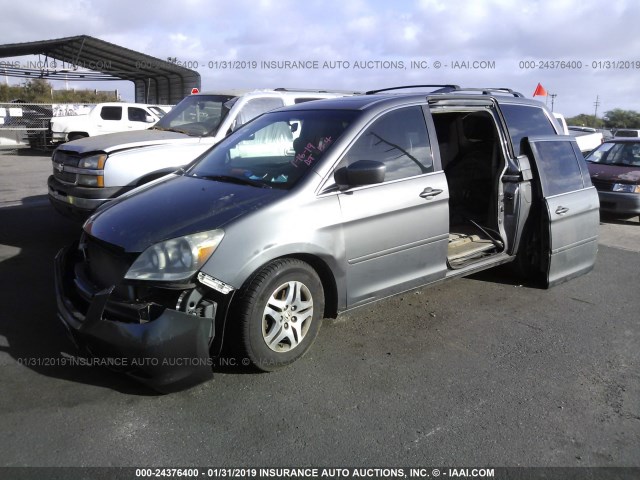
x=280 y=311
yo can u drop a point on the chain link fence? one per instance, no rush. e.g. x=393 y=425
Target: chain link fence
x=27 y=125
x=24 y=125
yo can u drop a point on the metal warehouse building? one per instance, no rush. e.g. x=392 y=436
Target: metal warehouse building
x=156 y=81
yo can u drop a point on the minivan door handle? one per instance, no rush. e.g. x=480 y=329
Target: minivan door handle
x=561 y=210
x=430 y=192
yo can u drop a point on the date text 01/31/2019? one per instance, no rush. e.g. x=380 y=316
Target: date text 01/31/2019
x=408 y=64
x=313 y=472
x=579 y=65
x=349 y=65
x=306 y=65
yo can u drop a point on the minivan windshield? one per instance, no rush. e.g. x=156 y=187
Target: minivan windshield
x=196 y=115
x=276 y=149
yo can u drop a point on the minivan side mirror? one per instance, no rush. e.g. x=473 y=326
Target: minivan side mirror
x=149 y=119
x=362 y=172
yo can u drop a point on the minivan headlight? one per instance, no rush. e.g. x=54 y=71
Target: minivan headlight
x=176 y=259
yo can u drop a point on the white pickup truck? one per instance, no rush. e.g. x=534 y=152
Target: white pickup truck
x=106 y=118
x=92 y=171
x=586 y=137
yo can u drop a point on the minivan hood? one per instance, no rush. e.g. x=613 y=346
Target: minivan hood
x=112 y=142
x=614 y=173
x=172 y=207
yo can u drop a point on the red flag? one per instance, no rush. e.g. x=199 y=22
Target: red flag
x=540 y=91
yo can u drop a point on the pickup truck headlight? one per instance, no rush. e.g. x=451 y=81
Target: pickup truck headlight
x=176 y=259
x=94 y=162
x=626 y=188
x=91 y=180
x=93 y=166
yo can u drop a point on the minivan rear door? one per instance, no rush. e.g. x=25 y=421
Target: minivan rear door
x=572 y=206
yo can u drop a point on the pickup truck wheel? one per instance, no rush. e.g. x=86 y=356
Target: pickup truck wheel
x=280 y=312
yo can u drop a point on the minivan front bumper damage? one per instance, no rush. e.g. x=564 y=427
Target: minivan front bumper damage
x=169 y=353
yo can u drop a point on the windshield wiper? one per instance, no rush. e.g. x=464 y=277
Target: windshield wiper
x=231 y=179
x=164 y=129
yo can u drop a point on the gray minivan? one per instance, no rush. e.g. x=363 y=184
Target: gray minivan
x=312 y=210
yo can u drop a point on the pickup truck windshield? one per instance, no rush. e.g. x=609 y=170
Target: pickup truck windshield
x=197 y=115
x=276 y=149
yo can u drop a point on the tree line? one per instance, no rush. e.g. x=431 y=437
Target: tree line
x=41 y=91
x=616 y=118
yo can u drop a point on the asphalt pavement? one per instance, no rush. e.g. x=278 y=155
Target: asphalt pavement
x=478 y=371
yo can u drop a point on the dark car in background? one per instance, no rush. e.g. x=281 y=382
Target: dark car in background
x=627 y=133
x=614 y=168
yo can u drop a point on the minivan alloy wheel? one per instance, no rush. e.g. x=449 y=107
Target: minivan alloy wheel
x=279 y=312
x=287 y=316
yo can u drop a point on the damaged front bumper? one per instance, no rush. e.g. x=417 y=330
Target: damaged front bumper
x=168 y=353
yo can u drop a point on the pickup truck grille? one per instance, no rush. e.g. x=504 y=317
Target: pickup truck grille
x=65 y=177
x=62 y=159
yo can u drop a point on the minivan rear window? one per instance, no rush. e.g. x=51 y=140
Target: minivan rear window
x=558 y=165
x=525 y=121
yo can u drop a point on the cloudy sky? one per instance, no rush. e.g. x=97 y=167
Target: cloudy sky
x=579 y=50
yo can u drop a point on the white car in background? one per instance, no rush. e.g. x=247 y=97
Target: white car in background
x=106 y=118
x=92 y=171
x=587 y=138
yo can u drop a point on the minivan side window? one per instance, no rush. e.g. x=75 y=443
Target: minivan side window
x=399 y=139
x=525 y=121
x=111 y=113
x=560 y=170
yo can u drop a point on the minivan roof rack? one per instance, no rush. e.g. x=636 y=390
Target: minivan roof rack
x=441 y=88
x=452 y=88
x=311 y=90
x=489 y=90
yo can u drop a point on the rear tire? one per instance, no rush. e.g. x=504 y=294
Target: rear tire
x=280 y=310
x=529 y=264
